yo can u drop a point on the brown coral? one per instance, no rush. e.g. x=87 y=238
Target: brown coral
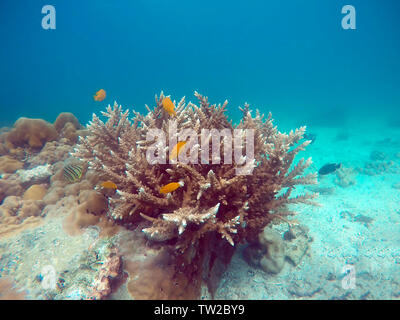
x=67 y=125
x=234 y=199
x=64 y=118
x=110 y=270
x=35 y=192
x=8 y=290
x=33 y=133
x=9 y=165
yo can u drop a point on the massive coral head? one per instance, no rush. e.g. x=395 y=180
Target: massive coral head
x=235 y=198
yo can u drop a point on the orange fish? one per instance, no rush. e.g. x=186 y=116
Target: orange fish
x=109 y=185
x=177 y=150
x=169 y=106
x=100 y=95
x=171 y=187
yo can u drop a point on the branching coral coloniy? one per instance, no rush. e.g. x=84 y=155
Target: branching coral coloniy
x=215 y=197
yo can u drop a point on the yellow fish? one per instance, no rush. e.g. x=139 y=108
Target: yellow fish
x=109 y=185
x=171 y=187
x=177 y=150
x=169 y=106
x=100 y=95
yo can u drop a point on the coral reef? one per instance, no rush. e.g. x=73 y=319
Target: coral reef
x=109 y=272
x=68 y=127
x=377 y=155
x=297 y=243
x=10 y=186
x=89 y=212
x=8 y=292
x=36 y=175
x=360 y=218
x=272 y=250
x=35 y=192
x=31 y=132
x=63 y=119
x=345 y=177
x=273 y=259
x=218 y=204
x=17 y=214
x=373 y=168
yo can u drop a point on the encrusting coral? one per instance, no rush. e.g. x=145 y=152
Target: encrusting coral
x=9 y=165
x=217 y=204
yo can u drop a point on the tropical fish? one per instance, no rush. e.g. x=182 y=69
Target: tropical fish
x=169 y=106
x=100 y=95
x=329 y=168
x=73 y=172
x=177 y=150
x=171 y=187
x=310 y=136
x=109 y=185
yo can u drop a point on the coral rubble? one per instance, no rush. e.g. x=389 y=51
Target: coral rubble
x=218 y=204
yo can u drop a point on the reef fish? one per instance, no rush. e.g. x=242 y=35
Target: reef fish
x=310 y=136
x=169 y=106
x=177 y=150
x=329 y=168
x=100 y=95
x=73 y=172
x=171 y=187
x=109 y=185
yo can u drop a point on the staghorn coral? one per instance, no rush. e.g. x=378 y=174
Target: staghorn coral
x=235 y=199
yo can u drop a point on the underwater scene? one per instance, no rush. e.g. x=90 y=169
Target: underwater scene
x=182 y=150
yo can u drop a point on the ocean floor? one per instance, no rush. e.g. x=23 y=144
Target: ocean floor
x=355 y=248
x=351 y=247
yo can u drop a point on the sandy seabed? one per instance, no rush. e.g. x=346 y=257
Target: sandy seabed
x=354 y=251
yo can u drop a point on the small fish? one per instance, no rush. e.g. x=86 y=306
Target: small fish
x=329 y=168
x=177 y=150
x=73 y=172
x=109 y=185
x=169 y=106
x=171 y=187
x=100 y=95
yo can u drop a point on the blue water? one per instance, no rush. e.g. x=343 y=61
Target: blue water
x=289 y=57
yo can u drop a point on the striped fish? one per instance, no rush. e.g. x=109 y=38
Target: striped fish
x=73 y=172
